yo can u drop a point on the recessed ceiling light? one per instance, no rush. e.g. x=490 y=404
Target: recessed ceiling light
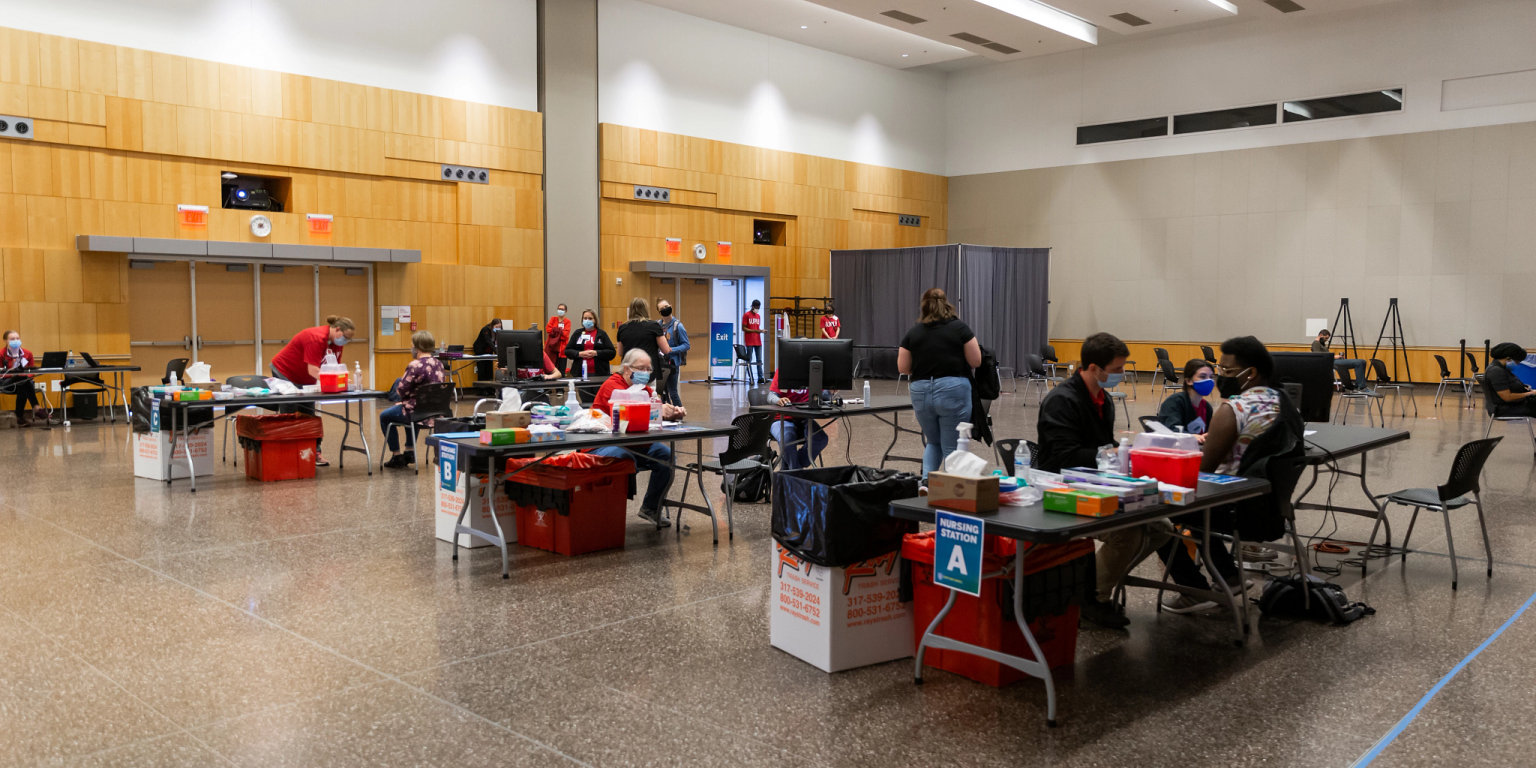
x=1048 y=17
x=802 y=26
x=1224 y=5
x=903 y=55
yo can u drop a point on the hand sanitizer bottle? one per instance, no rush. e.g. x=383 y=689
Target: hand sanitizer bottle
x=866 y=393
x=571 y=400
x=1124 y=458
x=357 y=375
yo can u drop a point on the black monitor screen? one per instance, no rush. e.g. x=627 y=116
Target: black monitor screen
x=795 y=357
x=1314 y=372
x=529 y=346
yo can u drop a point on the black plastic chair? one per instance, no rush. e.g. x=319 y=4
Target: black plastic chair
x=87 y=384
x=230 y=412
x=760 y=396
x=1170 y=378
x=1465 y=471
x=1208 y=353
x=743 y=362
x=748 y=450
x=1008 y=450
x=1048 y=358
x=177 y=366
x=1447 y=379
x=1384 y=382
x=433 y=401
x=1035 y=372
x=1158 y=369
x=1146 y=422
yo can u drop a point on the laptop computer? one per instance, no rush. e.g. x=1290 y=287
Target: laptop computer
x=456 y=349
x=90 y=361
x=55 y=359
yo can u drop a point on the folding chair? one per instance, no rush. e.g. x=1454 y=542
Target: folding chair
x=1465 y=471
x=1385 y=382
x=748 y=450
x=1446 y=379
x=433 y=401
x=231 y=412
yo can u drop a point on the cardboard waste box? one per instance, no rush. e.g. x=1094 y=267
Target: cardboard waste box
x=837 y=567
x=151 y=425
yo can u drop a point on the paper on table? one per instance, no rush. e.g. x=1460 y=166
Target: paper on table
x=1308 y=432
x=456 y=435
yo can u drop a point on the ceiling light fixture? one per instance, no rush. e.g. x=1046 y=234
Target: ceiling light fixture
x=1224 y=5
x=1394 y=95
x=1297 y=108
x=1048 y=17
x=903 y=55
x=802 y=26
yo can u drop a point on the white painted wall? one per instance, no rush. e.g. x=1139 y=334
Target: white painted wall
x=484 y=51
x=1024 y=114
x=667 y=71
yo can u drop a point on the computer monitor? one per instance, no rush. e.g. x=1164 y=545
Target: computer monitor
x=520 y=349
x=1314 y=372
x=815 y=364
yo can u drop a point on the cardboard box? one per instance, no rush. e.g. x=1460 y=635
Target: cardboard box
x=507 y=419
x=150 y=447
x=1176 y=495
x=487 y=500
x=510 y=436
x=839 y=618
x=963 y=494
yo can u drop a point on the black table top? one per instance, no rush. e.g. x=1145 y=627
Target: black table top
x=1034 y=523
x=1342 y=440
x=450 y=356
x=79 y=369
x=471 y=446
x=271 y=400
x=877 y=404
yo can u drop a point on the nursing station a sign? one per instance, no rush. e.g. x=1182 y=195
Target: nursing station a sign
x=957 y=552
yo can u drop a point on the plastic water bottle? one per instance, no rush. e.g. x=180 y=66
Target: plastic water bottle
x=173 y=380
x=1124 y=459
x=1021 y=463
x=866 y=393
x=357 y=375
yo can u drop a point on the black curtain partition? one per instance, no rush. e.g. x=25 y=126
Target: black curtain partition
x=1001 y=293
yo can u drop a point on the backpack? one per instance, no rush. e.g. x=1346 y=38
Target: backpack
x=1284 y=597
x=752 y=486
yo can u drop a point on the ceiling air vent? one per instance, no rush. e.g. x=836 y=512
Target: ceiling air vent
x=1000 y=48
x=1130 y=19
x=908 y=220
x=907 y=17
x=1284 y=6
x=970 y=38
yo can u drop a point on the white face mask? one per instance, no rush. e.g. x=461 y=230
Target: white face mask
x=560 y=312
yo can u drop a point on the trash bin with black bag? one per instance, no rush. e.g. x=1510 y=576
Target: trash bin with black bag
x=837 y=566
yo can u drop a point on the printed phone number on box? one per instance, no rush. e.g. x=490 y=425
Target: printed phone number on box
x=875 y=610
x=799 y=606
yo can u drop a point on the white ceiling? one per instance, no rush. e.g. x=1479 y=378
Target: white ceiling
x=856 y=27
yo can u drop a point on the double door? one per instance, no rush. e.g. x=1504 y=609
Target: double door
x=236 y=317
x=690 y=302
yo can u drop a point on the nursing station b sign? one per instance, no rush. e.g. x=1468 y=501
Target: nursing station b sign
x=957 y=552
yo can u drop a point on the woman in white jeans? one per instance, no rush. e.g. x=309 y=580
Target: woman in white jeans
x=939 y=354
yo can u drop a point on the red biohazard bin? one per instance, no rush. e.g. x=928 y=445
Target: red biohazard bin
x=280 y=446
x=979 y=620
x=595 y=491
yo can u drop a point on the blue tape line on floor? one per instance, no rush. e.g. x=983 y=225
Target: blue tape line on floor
x=1392 y=735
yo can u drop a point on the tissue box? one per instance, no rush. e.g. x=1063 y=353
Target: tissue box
x=1082 y=502
x=504 y=436
x=1176 y=495
x=544 y=433
x=963 y=494
x=507 y=419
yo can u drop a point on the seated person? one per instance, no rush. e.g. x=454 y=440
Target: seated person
x=1507 y=395
x=15 y=358
x=656 y=457
x=1077 y=418
x=548 y=373
x=1250 y=407
x=1188 y=411
x=1341 y=364
x=423 y=369
x=789 y=431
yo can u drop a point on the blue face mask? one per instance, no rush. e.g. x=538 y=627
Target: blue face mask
x=640 y=377
x=1113 y=380
x=14 y=343
x=1204 y=387
x=340 y=341
x=587 y=324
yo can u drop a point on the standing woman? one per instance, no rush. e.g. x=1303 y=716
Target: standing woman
x=299 y=361
x=485 y=344
x=677 y=339
x=16 y=358
x=641 y=332
x=590 y=349
x=939 y=354
x=557 y=333
x=424 y=369
x=1188 y=409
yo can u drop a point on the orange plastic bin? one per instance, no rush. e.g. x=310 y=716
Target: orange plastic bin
x=571 y=504
x=980 y=621
x=280 y=446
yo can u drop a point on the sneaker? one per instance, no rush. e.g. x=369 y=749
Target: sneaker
x=653 y=516
x=1105 y=614
x=320 y=462
x=1177 y=603
x=922 y=491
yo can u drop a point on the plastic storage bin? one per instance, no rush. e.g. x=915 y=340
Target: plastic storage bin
x=571 y=504
x=1181 y=468
x=280 y=447
x=1055 y=577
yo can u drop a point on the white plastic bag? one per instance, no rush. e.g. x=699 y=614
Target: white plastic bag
x=282 y=386
x=591 y=422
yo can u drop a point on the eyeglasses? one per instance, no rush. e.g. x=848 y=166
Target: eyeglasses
x=1222 y=370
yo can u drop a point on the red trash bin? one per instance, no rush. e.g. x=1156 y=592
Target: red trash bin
x=979 y=620
x=573 y=503
x=280 y=446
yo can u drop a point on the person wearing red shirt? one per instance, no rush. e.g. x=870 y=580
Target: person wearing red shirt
x=557 y=333
x=831 y=327
x=14 y=358
x=791 y=434
x=656 y=457
x=752 y=338
x=299 y=361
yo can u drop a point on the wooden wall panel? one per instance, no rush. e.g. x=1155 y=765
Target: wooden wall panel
x=124 y=135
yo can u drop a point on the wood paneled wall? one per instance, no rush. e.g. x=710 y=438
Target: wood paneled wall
x=718 y=188
x=123 y=136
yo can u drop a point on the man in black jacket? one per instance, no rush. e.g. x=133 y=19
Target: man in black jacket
x=1077 y=418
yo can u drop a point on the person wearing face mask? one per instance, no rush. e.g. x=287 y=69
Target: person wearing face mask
x=635 y=369
x=1506 y=394
x=677 y=339
x=14 y=359
x=1249 y=408
x=939 y=353
x=752 y=339
x=1342 y=364
x=1077 y=418
x=299 y=361
x=641 y=332
x=589 y=349
x=1188 y=409
x=557 y=333
x=485 y=344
